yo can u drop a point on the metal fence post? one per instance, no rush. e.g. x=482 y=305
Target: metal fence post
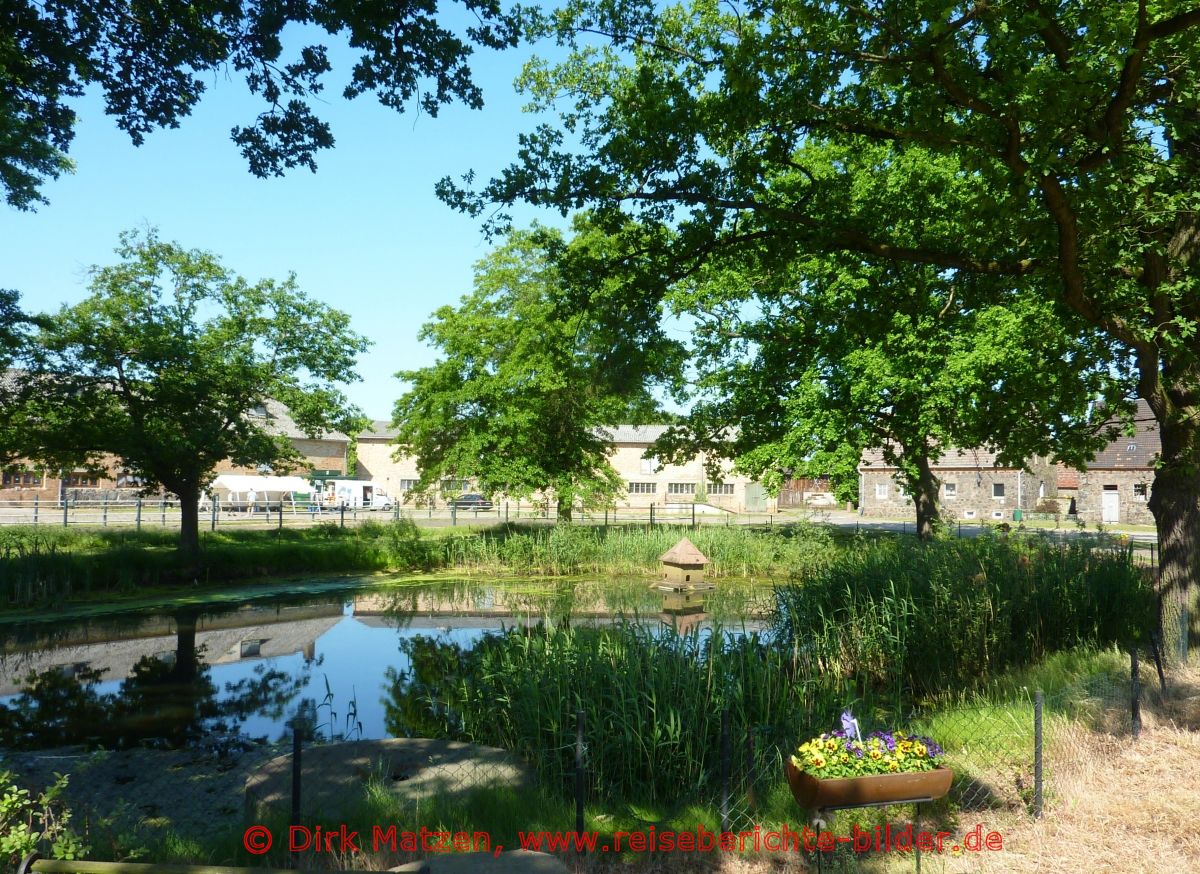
x=213 y=513
x=66 y=509
x=162 y=510
x=138 y=513
x=652 y=515
x=1037 y=754
x=725 y=756
x=281 y=514
x=693 y=515
x=453 y=513
x=342 y=521
x=295 y=775
x=104 y=511
x=1135 y=693
x=580 y=719
x=35 y=509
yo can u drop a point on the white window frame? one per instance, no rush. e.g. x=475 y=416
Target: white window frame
x=1144 y=496
x=1002 y=488
x=882 y=492
x=723 y=489
x=679 y=489
x=643 y=488
x=951 y=490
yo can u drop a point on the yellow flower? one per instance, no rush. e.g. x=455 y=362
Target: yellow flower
x=875 y=754
x=920 y=749
x=818 y=761
x=831 y=744
x=843 y=758
x=892 y=766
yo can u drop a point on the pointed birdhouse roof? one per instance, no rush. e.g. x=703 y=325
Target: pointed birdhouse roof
x=683 y=552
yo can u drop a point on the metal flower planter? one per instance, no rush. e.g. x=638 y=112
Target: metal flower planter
x=814 y=793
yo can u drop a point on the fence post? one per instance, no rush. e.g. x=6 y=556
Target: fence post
x=104 y=512
x=652 y=515
x=162 y=510
x=138 y=514
x=725 y=756
x=295 y=775
x=66 y=509
x=1135 y=693
x=453 y=513
x=35 y=509
x=1037 y=754
x=281 y=514
x=693 y=515
x=342 y=520
x=580 y=718
x=213 y=513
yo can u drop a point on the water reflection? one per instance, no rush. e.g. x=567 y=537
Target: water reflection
x=212 y=676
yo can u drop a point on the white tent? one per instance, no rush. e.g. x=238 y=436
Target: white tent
x=233 y=489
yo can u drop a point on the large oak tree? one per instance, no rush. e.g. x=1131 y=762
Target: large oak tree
x=1080 y=121
x=151 y=61
x=163 y=364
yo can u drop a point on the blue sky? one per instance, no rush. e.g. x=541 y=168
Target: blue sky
x=365 y=233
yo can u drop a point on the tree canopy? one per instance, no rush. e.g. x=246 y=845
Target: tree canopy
x=151 y=60
x=1076 y=125
x=525 y=385
x=164 y=363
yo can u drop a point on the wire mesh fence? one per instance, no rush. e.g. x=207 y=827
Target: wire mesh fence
x=1020 y=755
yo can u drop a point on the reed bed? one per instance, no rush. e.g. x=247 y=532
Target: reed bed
x=913 y=620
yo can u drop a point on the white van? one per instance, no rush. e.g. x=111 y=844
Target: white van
x=357 y=494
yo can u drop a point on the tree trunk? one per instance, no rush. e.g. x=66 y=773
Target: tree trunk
x=1175 y=504
x=189 y=522
x=564 y=509
x=925 y=497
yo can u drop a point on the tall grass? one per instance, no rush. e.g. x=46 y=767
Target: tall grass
x=911 y=620
x=652 y=700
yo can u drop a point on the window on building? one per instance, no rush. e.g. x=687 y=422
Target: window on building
x=951 y=489
x=968 y=514
x=82 y=481
x=407 y=485
x=881 y=491
x=643 y=488
x=454 y=485
x=1140 y=491
x=22 y=478
x=720 y=488
x=997 y=490
x=681 y=488
x=997 y=514
x=649 y=464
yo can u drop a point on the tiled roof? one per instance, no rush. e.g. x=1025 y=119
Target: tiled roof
x=646 y=434
x=952 y=459
x=683 y=552
x=379 y=429
x=1132 y=453
x=280 y=423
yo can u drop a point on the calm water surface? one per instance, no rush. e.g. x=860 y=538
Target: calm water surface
x=204 y=675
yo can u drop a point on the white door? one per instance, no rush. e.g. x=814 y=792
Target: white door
x=1110 y=506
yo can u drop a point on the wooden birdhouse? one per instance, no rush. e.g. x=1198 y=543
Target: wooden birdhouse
x=683 y=564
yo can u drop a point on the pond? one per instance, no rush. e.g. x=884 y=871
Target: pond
x=342 y=660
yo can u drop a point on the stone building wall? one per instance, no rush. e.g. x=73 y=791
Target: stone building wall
x=1132 y=486
x=966 y=494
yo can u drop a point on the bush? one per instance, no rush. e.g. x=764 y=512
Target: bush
x=31 y=823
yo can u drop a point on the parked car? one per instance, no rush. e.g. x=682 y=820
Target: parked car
x=471 y=502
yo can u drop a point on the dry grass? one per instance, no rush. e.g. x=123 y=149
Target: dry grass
x=1123 y=806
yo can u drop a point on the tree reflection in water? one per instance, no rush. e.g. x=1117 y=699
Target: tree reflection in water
x=169 y=702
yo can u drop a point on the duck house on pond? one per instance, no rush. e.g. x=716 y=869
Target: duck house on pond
x=683 y=565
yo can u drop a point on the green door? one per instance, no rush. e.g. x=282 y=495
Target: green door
x=756 y=498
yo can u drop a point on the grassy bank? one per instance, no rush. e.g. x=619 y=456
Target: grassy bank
x=52 y=565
